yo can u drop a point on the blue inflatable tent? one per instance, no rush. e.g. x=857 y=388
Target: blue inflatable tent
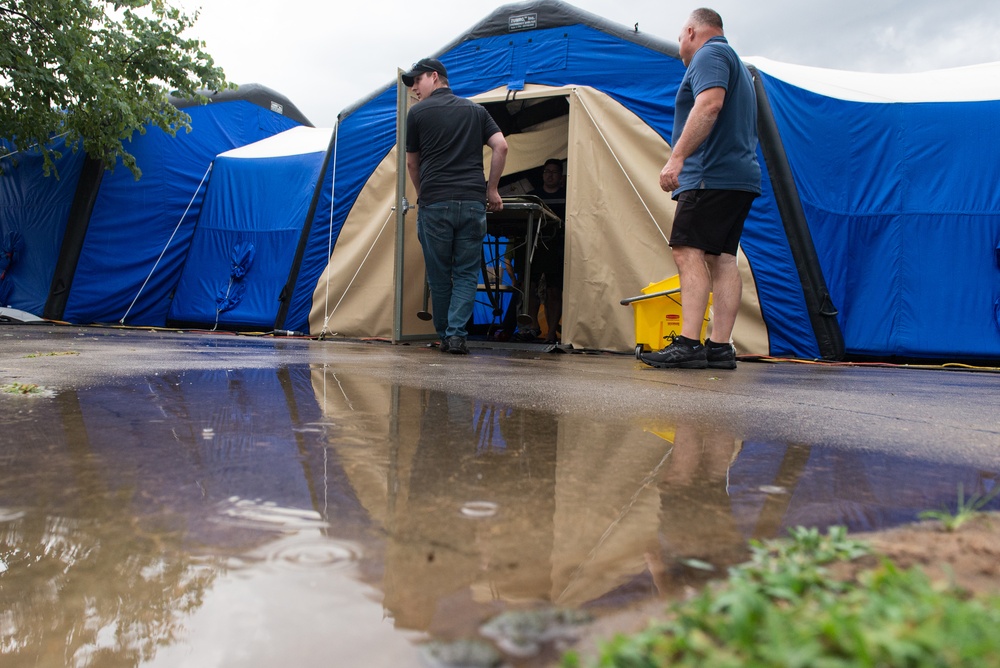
x=35 y=208
x=567 y=84
x=896 y=175
x=98 y=246
x=879 y=221
x=243 y=261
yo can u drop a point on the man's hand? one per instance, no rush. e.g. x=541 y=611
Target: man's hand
x=493 y=200
x=498 y=145
x=670 y=173
x=700 y=122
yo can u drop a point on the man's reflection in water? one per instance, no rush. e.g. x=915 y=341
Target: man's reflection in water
x=696 y=515
x=446 y=556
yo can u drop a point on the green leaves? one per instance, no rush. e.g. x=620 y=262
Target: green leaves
x=966 y=510
x=95 y=72
x=783 y=608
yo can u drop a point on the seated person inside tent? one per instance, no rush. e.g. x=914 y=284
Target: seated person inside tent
x=546 y=266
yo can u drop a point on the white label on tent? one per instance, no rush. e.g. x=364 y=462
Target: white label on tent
x=522 y=22
x=277 y=108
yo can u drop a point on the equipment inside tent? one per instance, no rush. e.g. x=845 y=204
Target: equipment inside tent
x=254 y=219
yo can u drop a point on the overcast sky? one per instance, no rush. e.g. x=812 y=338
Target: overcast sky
x=324 y=55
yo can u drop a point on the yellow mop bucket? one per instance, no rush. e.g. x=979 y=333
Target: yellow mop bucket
x=658 y=314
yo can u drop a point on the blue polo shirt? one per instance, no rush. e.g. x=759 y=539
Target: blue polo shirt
x=727 y=159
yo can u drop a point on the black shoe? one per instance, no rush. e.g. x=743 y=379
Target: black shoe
x=444 y=345
x=525 y=335
x=721 y=356
x=681 y=354
x=456 y=346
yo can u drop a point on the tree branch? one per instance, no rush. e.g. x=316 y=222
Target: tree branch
x=4 y=9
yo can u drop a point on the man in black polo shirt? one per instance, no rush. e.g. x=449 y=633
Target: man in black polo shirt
x=445 y=135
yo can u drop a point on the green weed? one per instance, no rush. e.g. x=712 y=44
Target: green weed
x=966 y=510
x=22 y=388
x=783 y=608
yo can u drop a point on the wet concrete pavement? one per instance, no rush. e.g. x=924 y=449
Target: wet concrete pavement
x=209 y=499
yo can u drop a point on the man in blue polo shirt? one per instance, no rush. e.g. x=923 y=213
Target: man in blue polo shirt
x=445 y=135
x=714 y=175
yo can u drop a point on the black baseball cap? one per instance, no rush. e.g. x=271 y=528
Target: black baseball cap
x=421 y=66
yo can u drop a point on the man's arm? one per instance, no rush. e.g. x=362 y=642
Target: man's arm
x=699 y=125
x=498 y=145
x=413 y=169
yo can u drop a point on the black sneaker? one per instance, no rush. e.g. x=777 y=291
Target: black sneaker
x=720 y=356
x=526 y=335
x=444 y=345
x=456 y=346
x=683 y=353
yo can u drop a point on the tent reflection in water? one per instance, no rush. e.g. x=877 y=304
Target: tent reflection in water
x=567 y=527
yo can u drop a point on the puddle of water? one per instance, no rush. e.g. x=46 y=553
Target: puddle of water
x=303 y=516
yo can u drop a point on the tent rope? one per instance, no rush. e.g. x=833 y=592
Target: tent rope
x=650 y=479
x=329 y=241
x=218 y=309
x=597 y=126
x=32 y=147
x=360 y=267
x=167 y=245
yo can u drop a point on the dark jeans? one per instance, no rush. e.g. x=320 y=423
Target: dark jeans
x=451 y=235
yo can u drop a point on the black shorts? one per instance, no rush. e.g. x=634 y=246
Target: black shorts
x=711 y=220
x=548 y=262
x=549 y=258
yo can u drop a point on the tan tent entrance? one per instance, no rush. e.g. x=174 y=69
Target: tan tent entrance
x=617 y=223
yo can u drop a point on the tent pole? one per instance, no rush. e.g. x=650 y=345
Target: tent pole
x=401 y=208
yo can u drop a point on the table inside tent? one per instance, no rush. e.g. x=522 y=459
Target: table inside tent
x=523 y=221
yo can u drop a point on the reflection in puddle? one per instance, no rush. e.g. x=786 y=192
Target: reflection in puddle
x=479 y=509
x=308 y=554
x=268 y=517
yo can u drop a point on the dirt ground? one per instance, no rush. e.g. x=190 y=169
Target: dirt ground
x=968 y=557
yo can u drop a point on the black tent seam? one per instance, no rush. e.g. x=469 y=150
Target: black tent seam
x=74 y=235
x=288 y=291
x=819 y=304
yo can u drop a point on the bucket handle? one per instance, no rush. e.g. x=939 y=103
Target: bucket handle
x=639 y=298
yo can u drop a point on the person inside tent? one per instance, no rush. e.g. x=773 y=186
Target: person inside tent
x=547 y=261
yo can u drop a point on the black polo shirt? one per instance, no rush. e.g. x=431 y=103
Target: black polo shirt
x=449 y=133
